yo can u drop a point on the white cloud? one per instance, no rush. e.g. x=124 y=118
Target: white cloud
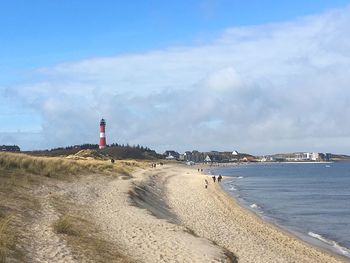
x=267 y=88
x=224 y=79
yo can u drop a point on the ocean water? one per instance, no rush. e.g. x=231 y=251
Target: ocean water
x=309 y=200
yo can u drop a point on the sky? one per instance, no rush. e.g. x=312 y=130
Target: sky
x=255 y=76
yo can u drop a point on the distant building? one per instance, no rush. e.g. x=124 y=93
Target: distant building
x=234 y=153
x=248 y=159
x=182 y=157
x=188 y=156
x=262 y=159
x=196 y=156
x=314 y=157
x=9 y=148
x=308 y=156
x=171 y=155
x=328 y=157
x=207 y=159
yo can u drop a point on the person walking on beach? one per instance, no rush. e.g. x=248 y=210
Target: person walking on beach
x=206 y=183
x=219 y=178
x=214 y=178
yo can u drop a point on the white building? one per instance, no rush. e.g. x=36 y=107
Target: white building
x=314 y=156
x=207 y=159
x=170 y=157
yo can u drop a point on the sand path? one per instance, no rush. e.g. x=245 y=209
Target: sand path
x=43 y=245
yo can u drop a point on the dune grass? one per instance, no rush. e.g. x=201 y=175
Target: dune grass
x=16 y=204
x=53 y=166
x=7 y=237
x=22 y=174
x=37 y=165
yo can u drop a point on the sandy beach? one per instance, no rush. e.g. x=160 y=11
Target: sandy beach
x=135 y=213
x=181 y=221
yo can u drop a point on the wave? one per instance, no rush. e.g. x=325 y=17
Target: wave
x=343 y=250
x=240 y=177
x=232 y=188
x=254 y=206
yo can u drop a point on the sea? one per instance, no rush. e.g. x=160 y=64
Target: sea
x=309 y=200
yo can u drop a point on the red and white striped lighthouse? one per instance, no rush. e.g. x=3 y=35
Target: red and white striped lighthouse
x=102 y=134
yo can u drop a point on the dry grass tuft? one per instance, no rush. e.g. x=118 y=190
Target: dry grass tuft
x=67 y=225
x=7 y=238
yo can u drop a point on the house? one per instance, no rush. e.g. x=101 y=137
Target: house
x=188 y=156
x=182 y=157
x=196 y=156
x=170 y=155
x=262 y=159
x=9 y=148
x=207 y=159
x=314 y=157
x=234 y=153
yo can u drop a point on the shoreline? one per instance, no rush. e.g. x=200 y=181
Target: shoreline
x=301 y=236
x=255 y=236
x=215 y=165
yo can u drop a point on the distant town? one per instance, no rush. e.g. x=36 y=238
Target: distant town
x=190 y=156
x=235 y=156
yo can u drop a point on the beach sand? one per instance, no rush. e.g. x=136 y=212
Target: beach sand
x=134 y=216
x=165 y=214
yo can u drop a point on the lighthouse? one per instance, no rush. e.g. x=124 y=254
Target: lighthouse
x=102 y=134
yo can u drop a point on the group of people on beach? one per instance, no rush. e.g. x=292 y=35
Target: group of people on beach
x=214 y=179
x=219 y=178
x=154 y=165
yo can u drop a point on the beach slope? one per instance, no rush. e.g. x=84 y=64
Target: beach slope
x=211 y=213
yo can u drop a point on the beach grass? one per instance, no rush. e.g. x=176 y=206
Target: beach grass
x=66 y=225
x=7 y=237
x=61 y=167
x=21 y=175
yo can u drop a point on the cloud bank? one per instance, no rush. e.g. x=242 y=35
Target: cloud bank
x=258 y=89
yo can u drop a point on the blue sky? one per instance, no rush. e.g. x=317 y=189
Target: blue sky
x=41 y=33
x=78 y=55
